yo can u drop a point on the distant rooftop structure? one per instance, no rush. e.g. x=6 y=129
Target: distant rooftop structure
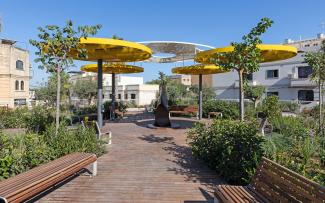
x=7 y=41
x=311 y=44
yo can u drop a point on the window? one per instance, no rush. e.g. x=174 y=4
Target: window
x=304 y=72
x=132 y=96
x=19 y=65
x=17 y=85
x=272 y=94
x=110 y=96
x=21 y=85
x=20 y=102
x=316 y=44
x=126 y=96
x=307 y=45
x=306 y=95
x=248 y=76
x=119 y=96
x=272 y=74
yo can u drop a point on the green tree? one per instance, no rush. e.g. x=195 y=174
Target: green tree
x=48 y=91
x=208 y=92
x=254 y=93
x=317 y=61
x=85 y=89
x=245 y=57
x=54 y=46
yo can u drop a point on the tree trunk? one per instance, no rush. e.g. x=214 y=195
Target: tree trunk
x=58 y=91
x=241 y=95
x=320 y=108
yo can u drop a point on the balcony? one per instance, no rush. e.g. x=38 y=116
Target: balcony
x=301 y=82
x=251 y=83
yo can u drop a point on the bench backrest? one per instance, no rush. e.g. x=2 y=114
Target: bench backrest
x=92 y=124
x=279 y=184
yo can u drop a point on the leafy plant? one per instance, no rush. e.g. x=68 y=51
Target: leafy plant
x=232 y=148
x=54 y=50
x=254 y=93
x=245 y=57
x=229 y=110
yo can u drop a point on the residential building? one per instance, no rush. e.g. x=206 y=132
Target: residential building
x=128 y=88
x=139 y=94
x=14 y=74
x=206 y=80
x=289 y=79
x=183 y=79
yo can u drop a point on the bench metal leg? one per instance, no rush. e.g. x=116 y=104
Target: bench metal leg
x=94 y=169
x=110 y=138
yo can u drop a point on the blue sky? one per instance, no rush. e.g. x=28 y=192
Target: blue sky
x=210 y=22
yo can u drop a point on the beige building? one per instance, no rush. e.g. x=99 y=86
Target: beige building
x=14 y=74
x=183 y=79
x=206 y=80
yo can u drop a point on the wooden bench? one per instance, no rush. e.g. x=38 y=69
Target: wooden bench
x=214 y=114
x=273 y=183
x=181 y=110
x=26 y=185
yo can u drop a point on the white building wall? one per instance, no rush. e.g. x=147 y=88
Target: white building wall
x=287 y=84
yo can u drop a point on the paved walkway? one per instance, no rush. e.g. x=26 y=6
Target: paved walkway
x=143 y=165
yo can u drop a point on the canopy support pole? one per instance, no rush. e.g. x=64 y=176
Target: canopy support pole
x=100 y=93
x=113 y=97
x=200 y=96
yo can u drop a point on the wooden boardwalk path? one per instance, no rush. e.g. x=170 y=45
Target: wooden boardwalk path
x=143 y=165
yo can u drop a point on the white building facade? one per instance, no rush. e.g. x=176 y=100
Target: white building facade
x=288 y=79
x=128 y=88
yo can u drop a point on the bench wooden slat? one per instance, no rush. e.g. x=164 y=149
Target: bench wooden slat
x=28 y=192
x=38 y=172
x=303 y=185
x=30 y=183
x=287 y=186
x=43 y=166
x=273 y=183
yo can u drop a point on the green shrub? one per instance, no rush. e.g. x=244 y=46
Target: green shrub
x=15 y=118
x=232 y=148
x=20 y=153
x=87 y=110
x=39 y=117
x=65 y=142
x=229 y=110
x=23 y=152
x=290 y=126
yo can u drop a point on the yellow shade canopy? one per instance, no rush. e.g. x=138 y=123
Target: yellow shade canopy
x=112 y=50
x=269 y=53
x=199 y=69
x=112 y=68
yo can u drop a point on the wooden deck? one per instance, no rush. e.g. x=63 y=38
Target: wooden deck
x=143 y=165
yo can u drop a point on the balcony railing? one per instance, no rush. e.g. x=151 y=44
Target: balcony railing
x=301 y=82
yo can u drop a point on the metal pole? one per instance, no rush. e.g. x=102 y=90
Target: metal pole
x=100 y=93
x=200 y=96
x=113 y=96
